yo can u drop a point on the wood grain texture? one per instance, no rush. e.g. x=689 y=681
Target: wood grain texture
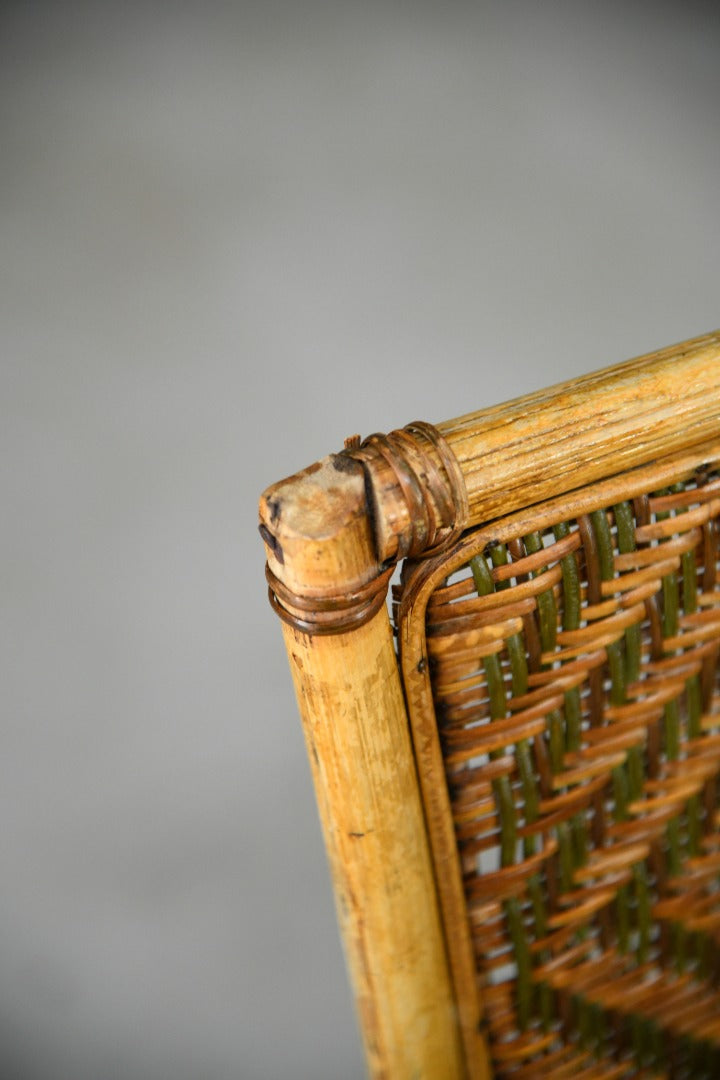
x=350 y=698
x=549 y=442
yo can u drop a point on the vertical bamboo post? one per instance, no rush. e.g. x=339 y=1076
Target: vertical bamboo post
x=317 y=534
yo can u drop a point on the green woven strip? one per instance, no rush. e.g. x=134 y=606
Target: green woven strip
x=603 y=539
x=502 y=789
x=623 y=663
x=516 y=654
x=694 y=706
x=531 y=799
x=584 y=1023
x=566 y=856
x=547 y=611
x=573 y=719
x=694 y=826
x=689 y=579
x=556 y=730
x=505 y=804
x=622 y=906
x=571 y=582
x=482 y=577
x=674 y=845
x=671 y=715
x=505 y=801
x=635 y=773
x=642 y=910
x=499 y=557
x=621 y=793
x=670 y=625
x=625 y=523
x=518 y=664
x=671 y=598
x=578 y=826
x=572 y=708
x=671 y=604
x=615 y=651
x=523 y=959
x=690 y=605
x=678 y=934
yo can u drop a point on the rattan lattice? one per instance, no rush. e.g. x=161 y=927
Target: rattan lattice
x=574 y=675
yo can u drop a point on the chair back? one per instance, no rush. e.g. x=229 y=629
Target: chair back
x=520 y=787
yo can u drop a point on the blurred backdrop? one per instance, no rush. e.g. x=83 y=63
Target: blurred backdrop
x=231 y=235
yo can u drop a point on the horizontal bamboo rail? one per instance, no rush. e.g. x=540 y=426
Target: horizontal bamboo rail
x=579 y=431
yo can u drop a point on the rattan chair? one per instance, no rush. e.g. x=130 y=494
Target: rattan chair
x=520 y=789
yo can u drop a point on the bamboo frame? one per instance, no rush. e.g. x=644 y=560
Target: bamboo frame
x=332 y=534
x=350 y=699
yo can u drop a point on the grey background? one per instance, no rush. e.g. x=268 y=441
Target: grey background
x=230 y=236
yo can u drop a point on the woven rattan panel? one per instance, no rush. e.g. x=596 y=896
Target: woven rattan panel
x=573 y=669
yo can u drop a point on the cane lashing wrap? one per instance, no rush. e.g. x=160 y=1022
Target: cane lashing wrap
x=328 y=614
x=419 y=500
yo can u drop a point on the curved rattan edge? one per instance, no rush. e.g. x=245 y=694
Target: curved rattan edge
x=418 y=586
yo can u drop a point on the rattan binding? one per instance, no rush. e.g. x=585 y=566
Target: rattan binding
x=417 y=491
x=329 y=614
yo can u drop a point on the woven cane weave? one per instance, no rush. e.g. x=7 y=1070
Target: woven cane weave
x=573 y=673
